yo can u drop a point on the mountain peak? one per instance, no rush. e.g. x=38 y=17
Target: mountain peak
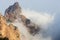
x=13 y=12
x=16 y=4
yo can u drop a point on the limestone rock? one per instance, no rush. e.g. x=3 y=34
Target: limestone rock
x=32 y=27
x=12 y=12
x=8 y=32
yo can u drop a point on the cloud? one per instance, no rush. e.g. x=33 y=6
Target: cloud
x=39 y=18
x=54 y=29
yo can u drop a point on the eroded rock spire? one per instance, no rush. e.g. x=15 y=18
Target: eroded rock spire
x=13 y=12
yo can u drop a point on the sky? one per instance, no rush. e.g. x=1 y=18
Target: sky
x=50 y=6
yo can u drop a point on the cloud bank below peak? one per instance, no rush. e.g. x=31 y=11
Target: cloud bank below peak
x=39 y=18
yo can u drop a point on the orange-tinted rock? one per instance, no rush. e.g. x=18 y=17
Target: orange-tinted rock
x=8 y=32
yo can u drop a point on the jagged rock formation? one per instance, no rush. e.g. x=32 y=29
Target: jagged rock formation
x=14 y=12
x=8 y=32
x=33 y=28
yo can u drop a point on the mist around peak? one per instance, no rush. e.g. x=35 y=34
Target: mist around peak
x=43 y=20
x=48 y=23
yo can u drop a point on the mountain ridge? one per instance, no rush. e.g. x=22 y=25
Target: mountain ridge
x=15 y=14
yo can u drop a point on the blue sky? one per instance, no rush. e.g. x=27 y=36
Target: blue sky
x=51 y=6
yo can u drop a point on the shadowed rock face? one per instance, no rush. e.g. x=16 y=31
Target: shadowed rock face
x=33 y=30
x=32 y=27
x=12 y=12
x=4 y=38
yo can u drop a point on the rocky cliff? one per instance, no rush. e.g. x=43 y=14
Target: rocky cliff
x=8 y=32
x=13 y=13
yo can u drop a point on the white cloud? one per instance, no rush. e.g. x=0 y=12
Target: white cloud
x=39 y=18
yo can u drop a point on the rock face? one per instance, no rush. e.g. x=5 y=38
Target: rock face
x=8 y=32
x=12 y=12
x=32 y=27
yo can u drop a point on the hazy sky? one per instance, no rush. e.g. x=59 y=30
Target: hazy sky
x=51 y=6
